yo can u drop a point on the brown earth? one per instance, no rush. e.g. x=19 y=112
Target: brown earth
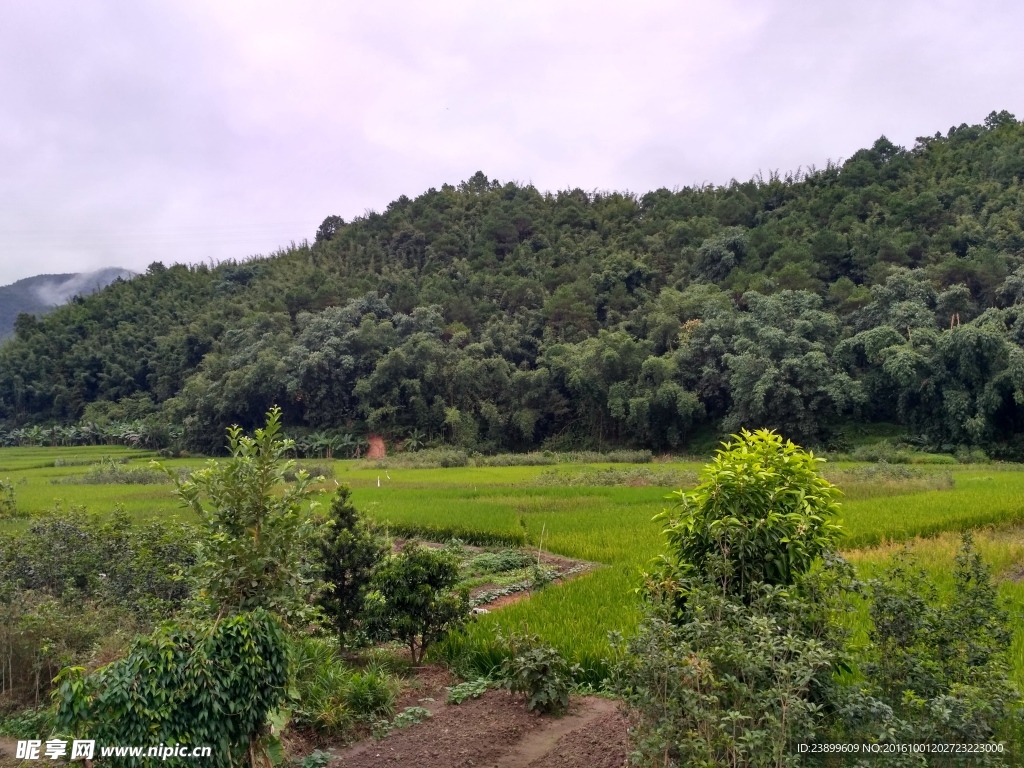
x=8 y=750
x=493 y=731
x=496 y=731
x=376 y=449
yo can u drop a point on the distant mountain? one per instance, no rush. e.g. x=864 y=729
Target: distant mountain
x=492 y=317
x=42 y=293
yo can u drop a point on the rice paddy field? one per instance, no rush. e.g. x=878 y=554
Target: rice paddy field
x=924 y=509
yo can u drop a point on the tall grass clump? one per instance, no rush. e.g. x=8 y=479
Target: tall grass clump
x=545 y=458
x=113 y=472
x=890 y=453
x=431 y=458
x=884 y=479
x=333 y=697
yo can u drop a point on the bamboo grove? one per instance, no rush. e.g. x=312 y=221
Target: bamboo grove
x=491 y=316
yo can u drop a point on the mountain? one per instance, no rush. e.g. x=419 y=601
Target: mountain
x=42 y=293
x=494 y=316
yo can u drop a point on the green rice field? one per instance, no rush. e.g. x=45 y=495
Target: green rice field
x=610 y=525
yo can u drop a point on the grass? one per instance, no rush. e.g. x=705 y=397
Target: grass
x=610 y=525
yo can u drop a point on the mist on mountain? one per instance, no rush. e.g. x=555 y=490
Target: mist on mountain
x=42 y=293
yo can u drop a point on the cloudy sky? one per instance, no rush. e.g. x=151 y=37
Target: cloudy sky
x=132 y=132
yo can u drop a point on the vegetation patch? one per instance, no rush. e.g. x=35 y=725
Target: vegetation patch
x=633 y=476
x=114 y=472
x=438 y=458
x=884 y=479
x=441 y=532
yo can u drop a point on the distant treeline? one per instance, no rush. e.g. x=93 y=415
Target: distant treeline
x=496 y=317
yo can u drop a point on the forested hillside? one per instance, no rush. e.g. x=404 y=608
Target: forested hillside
x=40 y=294
x=495 y=316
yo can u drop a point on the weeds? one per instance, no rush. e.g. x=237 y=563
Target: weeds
x=113 y=472
x=634 y=476
x=405 y=718
x=471 y=689
x=8 y=501
x=539 y=671
x=313 y=470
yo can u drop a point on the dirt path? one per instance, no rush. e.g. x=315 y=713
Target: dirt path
x=496 y=731
x=8 y=750
x=538 y=748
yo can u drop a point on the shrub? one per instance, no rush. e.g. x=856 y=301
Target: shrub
x=942 y=665
x=79 y=556
x=760 y=515
x=74 y=589
x=350 y=551
x=214 y=684
x=734 y=682
x=414 y=598
x=41 y=634
x=8 y=501
x=112 y=472
x=539 y=671
x=29 y=724
x=743 y=654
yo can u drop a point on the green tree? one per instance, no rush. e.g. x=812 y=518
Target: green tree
x=761 y=514
x=414 y=598
x=254 y=551
x=351 y=551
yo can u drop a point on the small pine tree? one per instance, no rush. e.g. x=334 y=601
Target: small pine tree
x=351 y=551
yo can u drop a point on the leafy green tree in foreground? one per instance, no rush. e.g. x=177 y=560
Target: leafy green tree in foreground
x=254 y=553
x=761 y=515
x=414 y=599
x=214 y=684
x=743 y=654
x=216 y=681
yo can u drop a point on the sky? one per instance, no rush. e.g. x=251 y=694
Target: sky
x=138 y=131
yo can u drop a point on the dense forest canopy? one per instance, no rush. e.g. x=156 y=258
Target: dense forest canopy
x=496 y=317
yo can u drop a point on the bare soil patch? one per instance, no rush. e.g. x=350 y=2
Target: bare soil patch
x=377 y=449
x=8 y=750
x=496 y=731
